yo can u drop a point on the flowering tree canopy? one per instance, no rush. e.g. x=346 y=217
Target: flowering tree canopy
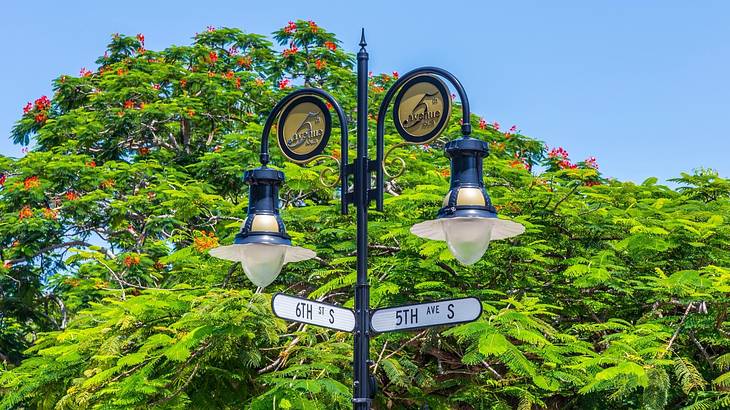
x=616 y=296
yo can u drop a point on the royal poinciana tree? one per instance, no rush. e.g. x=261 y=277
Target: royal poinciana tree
x=616 y=296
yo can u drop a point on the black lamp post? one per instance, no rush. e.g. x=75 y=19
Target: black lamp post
x=467 y=221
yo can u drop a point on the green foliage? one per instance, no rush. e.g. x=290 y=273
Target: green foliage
x=616 y=296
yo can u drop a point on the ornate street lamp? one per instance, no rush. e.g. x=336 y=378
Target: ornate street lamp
x=467 y=221
x=262 y=246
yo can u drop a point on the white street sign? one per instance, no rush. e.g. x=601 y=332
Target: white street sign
x=443 y=312
x=312 y=312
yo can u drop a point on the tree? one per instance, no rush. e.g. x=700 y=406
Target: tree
x=616 y=296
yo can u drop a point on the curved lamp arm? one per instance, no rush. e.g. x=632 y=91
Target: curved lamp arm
x=264 y=155
x=383 y=112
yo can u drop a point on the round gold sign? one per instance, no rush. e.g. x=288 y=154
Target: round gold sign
x=304 y=128
x=422 y=109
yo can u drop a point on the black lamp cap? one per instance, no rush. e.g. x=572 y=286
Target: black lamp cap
x=466 y=145
x=263 y=175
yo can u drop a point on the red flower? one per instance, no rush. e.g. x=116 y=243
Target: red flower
x=213 y=57
x=71 y=195
x=41 y=118
x=284 y=83
x=84 y=72
x=183 y=82
x=229 y=74
x=211 y=74
x=290 y=27
x=42 y=103
x=592 y=183
x=260 y=81
x=320 y=64
x=330 y=45
x=482 y=123
x=495 y=125
x=140 y=37
x=396 y=75
x=591 y=162
x=238 y=82
x=313 y=26
x=191 y=113
x=558 y=152
x=244 y=62
x=210 y=29
x=130 y=261
x=565 y=164
x=31 y=182
x=233 y=50
x=513 y=129
x=156 y=86
x=120 y=71
x=26 y=212
x=292 y=50
x=3 y=178
x=91 y=164
x=329 y=106
x=129 y=104
x=27 y=108
x=144 y=151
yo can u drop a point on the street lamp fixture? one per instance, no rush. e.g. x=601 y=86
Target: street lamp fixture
x=263 y=246
x=467 y=221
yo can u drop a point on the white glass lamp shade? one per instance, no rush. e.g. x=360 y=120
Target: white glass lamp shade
x=262 y=262
x=467 y=237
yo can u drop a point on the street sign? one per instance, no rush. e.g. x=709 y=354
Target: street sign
x=315 y=313
x=443 y=312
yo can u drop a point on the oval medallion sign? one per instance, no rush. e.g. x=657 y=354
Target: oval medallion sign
x=304 y=128
x=422 y=109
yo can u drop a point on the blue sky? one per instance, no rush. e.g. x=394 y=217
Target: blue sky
x=643 y=86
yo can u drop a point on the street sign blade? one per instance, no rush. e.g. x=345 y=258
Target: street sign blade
x=439 y=313
x=312 y=312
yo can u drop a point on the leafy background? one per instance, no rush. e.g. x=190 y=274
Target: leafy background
x=616 y=296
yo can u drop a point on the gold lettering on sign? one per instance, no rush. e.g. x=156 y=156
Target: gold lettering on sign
x=421 y=109
x=304 y=128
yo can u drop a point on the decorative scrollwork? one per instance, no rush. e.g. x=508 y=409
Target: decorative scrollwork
x=389 y=162
x=327 y=172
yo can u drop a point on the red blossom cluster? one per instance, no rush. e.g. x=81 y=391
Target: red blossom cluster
x=513 y=129
x=130 y=260
x=26 y=212
x=313 y=26
x=290 y=27
x=495 y=125
x=320 y=64
x=140 y=37
x=292 y=50
x=396 y=75
x=330 y=45
x=233 y=50
x=591 y=162
x=3 y=178
x=84 y=72
x=183 y=83
x=482 y=123
x=519 y=162
x=204 y=240
x=42 y=105
x=558 y=152
x=244 y=61
x=213 y=57
x=91 y=164
x=156 y=86
x=238 y=82
x=31 y=182
x=71 y=195
x=210 y=29
x=129 y=104
x=284 y=83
